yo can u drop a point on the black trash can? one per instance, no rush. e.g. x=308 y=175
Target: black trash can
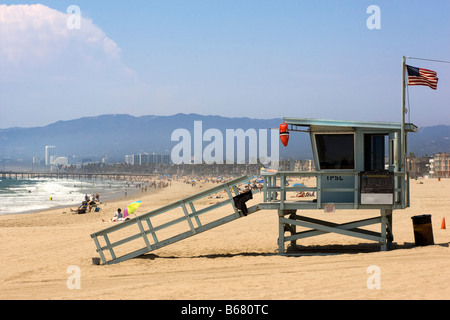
x=423 y=231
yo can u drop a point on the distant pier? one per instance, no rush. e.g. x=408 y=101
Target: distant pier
x=73 y=176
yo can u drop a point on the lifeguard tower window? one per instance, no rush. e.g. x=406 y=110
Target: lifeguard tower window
x=336 y=151
x=374 y=152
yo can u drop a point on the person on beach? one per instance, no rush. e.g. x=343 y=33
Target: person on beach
x=118 y=216
x=81 y=209
x=92 y=204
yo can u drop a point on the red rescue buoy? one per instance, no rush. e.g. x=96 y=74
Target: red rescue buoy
x=284 y=134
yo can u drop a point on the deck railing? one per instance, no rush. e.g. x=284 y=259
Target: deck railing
x=276 y=189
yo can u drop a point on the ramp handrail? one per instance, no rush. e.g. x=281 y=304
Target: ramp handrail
x=191 y=215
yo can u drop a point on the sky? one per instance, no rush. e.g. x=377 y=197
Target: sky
x=235 y=58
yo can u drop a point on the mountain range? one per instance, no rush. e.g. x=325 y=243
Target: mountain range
x=116 y=135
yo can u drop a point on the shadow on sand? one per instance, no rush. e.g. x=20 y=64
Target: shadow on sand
x=152 y=256
x=299 y=251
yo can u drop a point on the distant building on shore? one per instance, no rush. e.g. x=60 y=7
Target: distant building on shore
x=437 y=166
x=296 y=165
x=50 y=151
x=440 y=165
x=146 y=158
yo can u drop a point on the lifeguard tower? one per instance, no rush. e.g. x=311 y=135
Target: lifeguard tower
x=359 y=165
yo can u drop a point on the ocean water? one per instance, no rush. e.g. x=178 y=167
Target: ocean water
x=26 y=195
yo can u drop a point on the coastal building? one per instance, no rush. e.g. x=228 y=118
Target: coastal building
x=36 y=161
x=49 y=152
x=437 y=166
x=146 y=158
x=441 y=165
x=62 y=161
x=143 y=158
x=304 y=165
x=296 y=165
x=419 y=166
x=159 y=158
x=129 y=159
x=136 y=159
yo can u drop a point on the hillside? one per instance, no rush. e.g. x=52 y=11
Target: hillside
x=116 y=135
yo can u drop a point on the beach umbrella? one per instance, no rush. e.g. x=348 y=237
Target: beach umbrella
x=299 y=185
x=131 y=207
x=260 y=181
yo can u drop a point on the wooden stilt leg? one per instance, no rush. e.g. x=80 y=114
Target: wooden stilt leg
x=280 y=233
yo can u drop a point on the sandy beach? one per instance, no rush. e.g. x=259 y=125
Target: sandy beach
x=235 y=261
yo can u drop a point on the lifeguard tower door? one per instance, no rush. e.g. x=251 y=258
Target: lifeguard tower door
x=374 y=152
x=377 y=180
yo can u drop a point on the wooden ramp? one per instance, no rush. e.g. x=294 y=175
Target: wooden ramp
x=152 y=230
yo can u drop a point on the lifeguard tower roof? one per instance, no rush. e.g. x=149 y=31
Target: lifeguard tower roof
x=319 y=124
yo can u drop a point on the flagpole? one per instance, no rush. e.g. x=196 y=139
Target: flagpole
x=403 y=156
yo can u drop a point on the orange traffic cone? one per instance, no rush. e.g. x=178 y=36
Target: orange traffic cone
x=443 y=223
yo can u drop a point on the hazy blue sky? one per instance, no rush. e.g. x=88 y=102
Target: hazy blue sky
x=259 y=59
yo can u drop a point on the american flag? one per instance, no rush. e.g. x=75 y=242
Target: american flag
x=422 y=77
